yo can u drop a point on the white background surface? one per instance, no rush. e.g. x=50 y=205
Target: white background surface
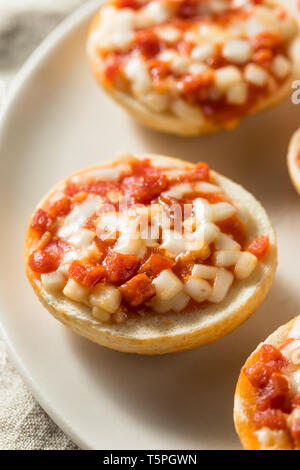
x=60 y=121
x=23 y=24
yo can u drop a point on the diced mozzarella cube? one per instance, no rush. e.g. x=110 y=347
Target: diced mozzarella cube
x=226 y=77
x=237 y=94
x=177 y=303
x=223 y=281
x=206 y=188
x=115 y=29
x=239 y=3
x=130 y=244
x=180 y=64
x=156 y=12
x=203 y=51
x=167 y=55
x=168 y=33
x=198 y=248
x=207 y=232
x=137 y=72
x=237 y=51
x=75 y=291
x=271 y=439
x=109 y=224
x=123 y=30
x=189 y=113
x=203 y=210
x=226 y=242
x=295 y=381
x=67 y=260
x=197 y=69
x=119 y=317
x=256 y=75
x=192 y=36
x=204 y=271
x=173 y=172
x=212 y=33
x=93 y=252
x=54 y=281
x=105 y=174
x=288 y=26
x=245 y=265
x=100 y=314
x=106 y=297
x=253 y=26
x=284 y=26
x=82 y=238
x=197 y=288
x=178 y=190
x=281 y=66
x=158 y=102
x=243 y=214
x=222 y=211
x=173 y=242
x=225 y=258
x=101 y=174
x=211 y=232
x=167 y=285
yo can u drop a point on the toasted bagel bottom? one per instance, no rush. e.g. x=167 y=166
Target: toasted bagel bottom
x=244 y=399
x=153 y=334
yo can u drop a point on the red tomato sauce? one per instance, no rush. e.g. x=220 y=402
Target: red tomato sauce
x=195 y=88
x=274 y=400
x=141 y=183
x=259 y=247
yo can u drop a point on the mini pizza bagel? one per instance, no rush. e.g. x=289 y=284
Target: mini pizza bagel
x=191 y=67
x=150 y=254
x=293 y=160
x=267 y=397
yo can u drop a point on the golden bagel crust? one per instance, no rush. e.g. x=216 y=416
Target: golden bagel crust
x=153 y=335
x=293 y=160
x=244 y=399
x=168 y=122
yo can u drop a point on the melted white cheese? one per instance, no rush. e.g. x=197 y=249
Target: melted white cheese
x=270 y=438
x=295 y=330
x=136 y=71
x=117 y=29
x=103 y=174
x=79 y=216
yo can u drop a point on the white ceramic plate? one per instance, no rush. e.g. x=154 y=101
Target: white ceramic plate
x=56 y=121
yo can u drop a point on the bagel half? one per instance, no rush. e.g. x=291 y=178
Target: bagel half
x=191 y=92
x=293 y=160
x=159 y=333
x=254 y=436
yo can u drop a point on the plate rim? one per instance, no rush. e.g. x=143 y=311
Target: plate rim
x=40 y=54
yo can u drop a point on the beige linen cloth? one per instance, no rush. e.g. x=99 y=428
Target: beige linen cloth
x=23 y=423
